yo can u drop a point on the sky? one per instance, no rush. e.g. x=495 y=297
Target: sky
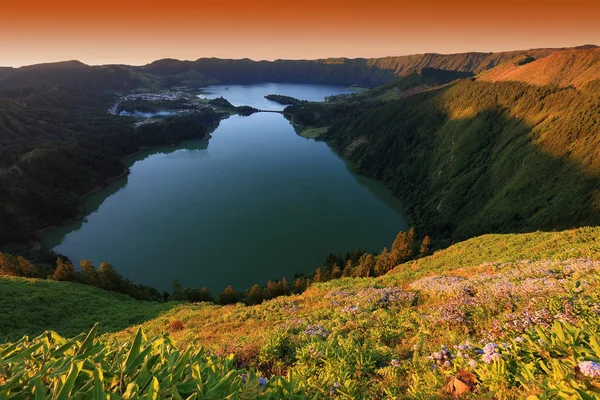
x=140 y=31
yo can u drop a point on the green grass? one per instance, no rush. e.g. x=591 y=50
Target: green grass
x=313 y=133
x=31 y=306
x=347 y=338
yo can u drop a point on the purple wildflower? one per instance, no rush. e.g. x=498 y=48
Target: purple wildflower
x=590 y=369
x=262 y=381
x=472 y=363
x=395 y=363
x=490 y=348
x=489 y=358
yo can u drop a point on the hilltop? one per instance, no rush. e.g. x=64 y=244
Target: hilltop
x=564 y=68
x=525 y=301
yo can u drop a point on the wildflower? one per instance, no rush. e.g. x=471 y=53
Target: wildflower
x=590 y=369
x=519 y=339
x=490 y=348
x=243 y=377
x=316 y=330
x=336 y=385
x=395 y=363
x=447 y=364
x=472 y=363
x=262 y=381
x=489 y=358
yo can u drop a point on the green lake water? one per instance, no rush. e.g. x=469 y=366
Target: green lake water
x=255 y=202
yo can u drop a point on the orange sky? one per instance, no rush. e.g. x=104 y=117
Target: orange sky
x=137 y=32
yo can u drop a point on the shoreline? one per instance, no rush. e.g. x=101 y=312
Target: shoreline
x=81 y=214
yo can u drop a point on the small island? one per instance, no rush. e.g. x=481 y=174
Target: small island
x=284 y=100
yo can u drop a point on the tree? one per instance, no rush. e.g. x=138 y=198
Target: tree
x=402 y=246
x=348 y=269
x=336 y=272
x=90 y=273
x=319 y=276
x=228 y=296
x=284 y=289
x=383 y=263
x=365 y=265
x=425 y=246
x=15 y=266
x=64 y=270
x=255 y=295
x=109 y=277
x=300 y=285
x=179 y=294
x=205 y=295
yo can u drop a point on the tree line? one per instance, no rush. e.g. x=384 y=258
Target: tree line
x=356 y=264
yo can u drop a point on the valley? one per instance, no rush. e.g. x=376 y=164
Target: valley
x=434 y=235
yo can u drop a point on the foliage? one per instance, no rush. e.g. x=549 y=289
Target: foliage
x=475 y=157
x=31 y=306
x=447 y=324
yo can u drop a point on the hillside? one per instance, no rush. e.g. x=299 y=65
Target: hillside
x=76 y=76
x=575 y=68
x=58 y=143
x=503 y=316
x=475 y=157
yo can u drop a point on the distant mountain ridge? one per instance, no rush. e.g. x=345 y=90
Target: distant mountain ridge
x=369 y=72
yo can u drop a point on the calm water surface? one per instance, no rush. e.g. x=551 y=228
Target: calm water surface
x=255 y=202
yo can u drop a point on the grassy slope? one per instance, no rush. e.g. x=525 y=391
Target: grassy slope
x=563 y=68
x=71 y=308
x=371 y=321
x=31 y=306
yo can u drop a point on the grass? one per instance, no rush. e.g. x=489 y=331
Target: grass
x=313 y=132
x=31 y=306
x=362 y=337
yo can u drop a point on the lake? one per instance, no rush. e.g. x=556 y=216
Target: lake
x=255 y=202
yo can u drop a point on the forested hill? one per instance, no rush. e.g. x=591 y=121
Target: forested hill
x=169 y=72
x=361 y=71
x=76 y=76
x=477 y=157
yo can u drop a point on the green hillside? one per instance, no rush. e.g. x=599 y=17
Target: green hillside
x=526 y=302
x=32 y=306
x=475 y=157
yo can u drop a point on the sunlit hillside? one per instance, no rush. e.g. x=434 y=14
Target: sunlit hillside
x=496 y=316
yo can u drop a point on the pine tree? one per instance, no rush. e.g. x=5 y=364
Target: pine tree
x=318 y=276
x=425 y=246
x=402 y=247
x=348 y=269
x=336 y=272
x=365 y=265
x=299 y=286
x=255 y=295
x=284 y=288
x=383 y=262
